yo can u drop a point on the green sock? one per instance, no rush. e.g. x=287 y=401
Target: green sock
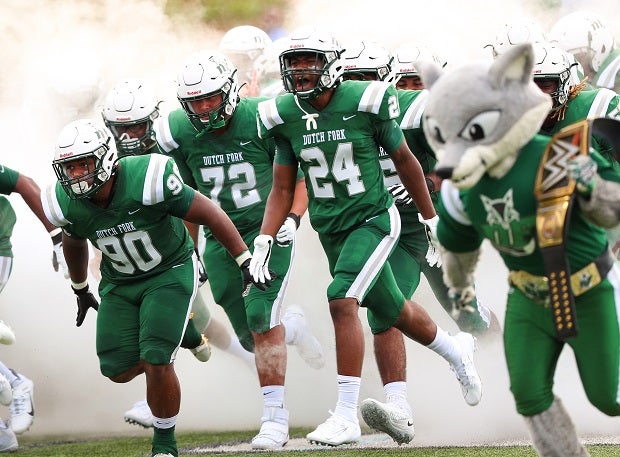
x=164 y=441
x=192 y=337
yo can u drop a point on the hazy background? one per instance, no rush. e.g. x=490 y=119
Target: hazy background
x=52 y=52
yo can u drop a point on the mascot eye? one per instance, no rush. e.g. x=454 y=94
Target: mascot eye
x=433 y=129
x=480 y=126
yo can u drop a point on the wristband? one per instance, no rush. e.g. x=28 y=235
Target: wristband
x=295 y=217
x=79 y=285
x=430 y=184
x=56 y=235
x=245 y=255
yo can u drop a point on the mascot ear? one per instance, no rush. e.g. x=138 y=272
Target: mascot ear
x=516 y=63
x=429 y=72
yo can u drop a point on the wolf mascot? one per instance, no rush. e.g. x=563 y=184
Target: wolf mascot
x=543 y=203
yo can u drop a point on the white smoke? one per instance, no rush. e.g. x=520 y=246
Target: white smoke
x=59 y=57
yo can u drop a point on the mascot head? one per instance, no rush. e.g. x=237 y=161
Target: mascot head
x=480 y=115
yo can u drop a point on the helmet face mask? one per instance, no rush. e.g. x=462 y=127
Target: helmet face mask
x=84 y=145
x=322 y=66
x=553 y=64
x=205 y=76
x=129 y=111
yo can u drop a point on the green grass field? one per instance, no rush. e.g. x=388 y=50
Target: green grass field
x=199 y=443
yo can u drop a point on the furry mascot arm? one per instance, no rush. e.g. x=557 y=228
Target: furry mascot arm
x=599 y=199
x=458 y=274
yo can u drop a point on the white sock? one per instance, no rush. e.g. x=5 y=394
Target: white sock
x=235 y=348
x=273 y=396
x=9 y=374
x=396 y=392
x=445 y=346
x=164 y=422
x=348 y=396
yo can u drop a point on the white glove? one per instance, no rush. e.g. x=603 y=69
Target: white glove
x=58 y=258
x=400 y=194
x=286 y=234
x=583 y=170
x=430 y=225
x=259 y=265
x=461 y=300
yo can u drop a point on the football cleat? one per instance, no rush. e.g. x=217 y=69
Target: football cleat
x=140 y=414
x=395 y=419
x=22 y=406
x=308 y=347
x=6 y=334
x=336 y=430
x=465 y=371
x=163 y=455
x=203 y=351
x=8 y=440
x=273 y=432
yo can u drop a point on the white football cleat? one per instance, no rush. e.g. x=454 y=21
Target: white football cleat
x=395 y=419
x=203 y=351
x=336 y=430
x=466 y=372
x=6 y=334
x=307 y=344
x=6 y=391
x=273 y=432
x=22 y=406
x=140 y=414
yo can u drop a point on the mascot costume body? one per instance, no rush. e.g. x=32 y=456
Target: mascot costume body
x=543 y=203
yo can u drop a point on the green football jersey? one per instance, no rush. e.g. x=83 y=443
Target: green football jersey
x=233 y=168
x=608 y=74
x=337 y=149
x=8 y=180
x=504 y=212
x=589 y=104
x=412 y=103
x=7 y=222
x=141 y=232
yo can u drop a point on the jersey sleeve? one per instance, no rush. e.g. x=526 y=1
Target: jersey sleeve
x=454 y=230
x=8 y=180
x=54 y=201
x=163 y=185
x=389 y=135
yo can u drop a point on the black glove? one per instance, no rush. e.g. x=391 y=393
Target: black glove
x=248 y=280
x=85 y=300
x=202 y=272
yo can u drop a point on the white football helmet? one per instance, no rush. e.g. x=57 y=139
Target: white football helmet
x=204 y=75
x=362 y=58
x=523 y=30
x=84 y=139
x=584 y=35
x=406 y=57
x=129 y=103
x=243 y=45
x=328 y=63
x=551 y=62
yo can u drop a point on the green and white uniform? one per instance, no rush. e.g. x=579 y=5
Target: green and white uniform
x=235 y=170
x=337 y=148
x=8 y=180
x=608 y=74
x=409 y=258
x=591 y=104
x=148 y=276
x=504 y=212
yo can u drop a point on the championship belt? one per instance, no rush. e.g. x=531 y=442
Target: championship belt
x=555 y=194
